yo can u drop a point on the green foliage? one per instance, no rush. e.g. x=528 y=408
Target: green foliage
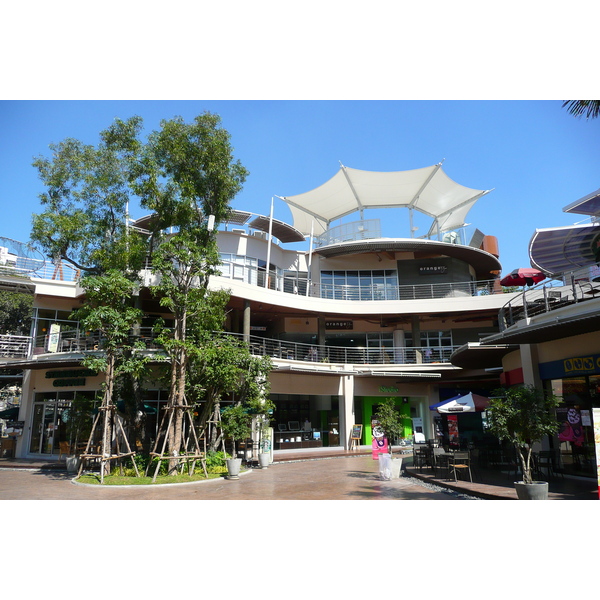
x=523 y=416
x=391 y=420
x=88 y=189
x=236 y=423
x=215 y=462
x=15 y=312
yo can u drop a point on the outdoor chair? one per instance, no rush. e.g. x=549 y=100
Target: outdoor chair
x=549 y=460
x=461 y=462
x=419 y=458
x=63 y=448
x=440 y=461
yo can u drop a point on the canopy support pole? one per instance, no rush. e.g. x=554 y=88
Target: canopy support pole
x=309 y=278
x=267 y=271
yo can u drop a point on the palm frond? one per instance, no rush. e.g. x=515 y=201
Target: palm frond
x=588 y=108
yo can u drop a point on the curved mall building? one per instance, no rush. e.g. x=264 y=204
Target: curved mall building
x=349 y=317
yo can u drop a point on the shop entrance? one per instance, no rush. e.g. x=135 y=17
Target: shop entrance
x=49 y=424
x=47 y=427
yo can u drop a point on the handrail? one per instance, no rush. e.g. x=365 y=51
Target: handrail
x=15 y=346
x=73 y=341
x=571 y=288
x=302 y=286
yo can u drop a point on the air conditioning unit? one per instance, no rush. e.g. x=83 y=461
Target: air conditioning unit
x=239 y=231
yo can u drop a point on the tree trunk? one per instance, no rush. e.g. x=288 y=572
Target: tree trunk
x=177 y=395
x=106 y=449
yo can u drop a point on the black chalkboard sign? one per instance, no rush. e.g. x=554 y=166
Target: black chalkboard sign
x=356 y=432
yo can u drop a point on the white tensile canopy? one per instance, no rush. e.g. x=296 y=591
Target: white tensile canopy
x=428 y=190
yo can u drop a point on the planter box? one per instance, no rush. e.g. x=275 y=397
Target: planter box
x=538 y=490
x=233 y=468
x=73 y=464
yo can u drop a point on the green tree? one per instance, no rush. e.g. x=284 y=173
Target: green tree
x=391 y=420
x=85 y=223
x=109 y=312
x=523 y=416
x=15 y=312
x=224 y=367
x=187 y=177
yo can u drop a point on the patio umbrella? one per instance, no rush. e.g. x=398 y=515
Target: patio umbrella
x=459 y=404
x=523 y=276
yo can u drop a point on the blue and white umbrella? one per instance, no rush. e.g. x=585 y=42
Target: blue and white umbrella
x=459 y=404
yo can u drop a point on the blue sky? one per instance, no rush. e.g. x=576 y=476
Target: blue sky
x=533 y=154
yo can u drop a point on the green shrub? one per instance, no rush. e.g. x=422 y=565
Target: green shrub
x=215 y=462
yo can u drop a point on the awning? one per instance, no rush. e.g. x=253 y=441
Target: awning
x=561 y=249
x=428 y=190
x=460 y=404
x=10 y=414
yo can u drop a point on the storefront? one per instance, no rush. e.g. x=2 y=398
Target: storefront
x=56 y=419
x=577 y=381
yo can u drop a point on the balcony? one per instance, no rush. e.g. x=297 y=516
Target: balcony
x=573 y=288
x=72 y=342
x=14 y=346
x=385 y=291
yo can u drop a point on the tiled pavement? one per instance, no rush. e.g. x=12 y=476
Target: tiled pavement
x=295 y=475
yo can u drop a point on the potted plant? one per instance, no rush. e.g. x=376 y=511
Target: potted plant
x=264 y=441
x=235 y=425
x=391 y=421
x=523 y=416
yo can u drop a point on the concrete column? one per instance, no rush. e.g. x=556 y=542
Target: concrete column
x=246 y=321
x=346 y=404
x=416 y=338
x=529 y=363
x=399 y=344
x=321 y=337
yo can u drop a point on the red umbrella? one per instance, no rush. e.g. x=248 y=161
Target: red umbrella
x=523 y=276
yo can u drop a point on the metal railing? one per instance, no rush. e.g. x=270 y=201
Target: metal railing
x=73 y=341
x=32 y=268
x=572 y=288
x=303 y=287
x=15 y=346
x=375 y=355
x=76 y=341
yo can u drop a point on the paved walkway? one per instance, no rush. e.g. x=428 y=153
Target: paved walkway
x=345 y=478
x=330 y=474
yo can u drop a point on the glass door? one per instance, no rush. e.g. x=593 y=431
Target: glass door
x=43 y=429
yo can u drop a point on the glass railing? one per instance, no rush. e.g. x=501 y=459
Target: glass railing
x=302 y=287
x=356 y=231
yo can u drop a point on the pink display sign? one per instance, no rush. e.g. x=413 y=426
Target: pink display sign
x=380 y=443
x=596 y=418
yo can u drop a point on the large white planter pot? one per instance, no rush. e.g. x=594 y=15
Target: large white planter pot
x=538 y=490
x=73 y=464
x=396 y=467
x=233 y=468
x=264 y=458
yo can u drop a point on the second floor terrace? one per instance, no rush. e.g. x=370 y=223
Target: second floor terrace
x=71 y=345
